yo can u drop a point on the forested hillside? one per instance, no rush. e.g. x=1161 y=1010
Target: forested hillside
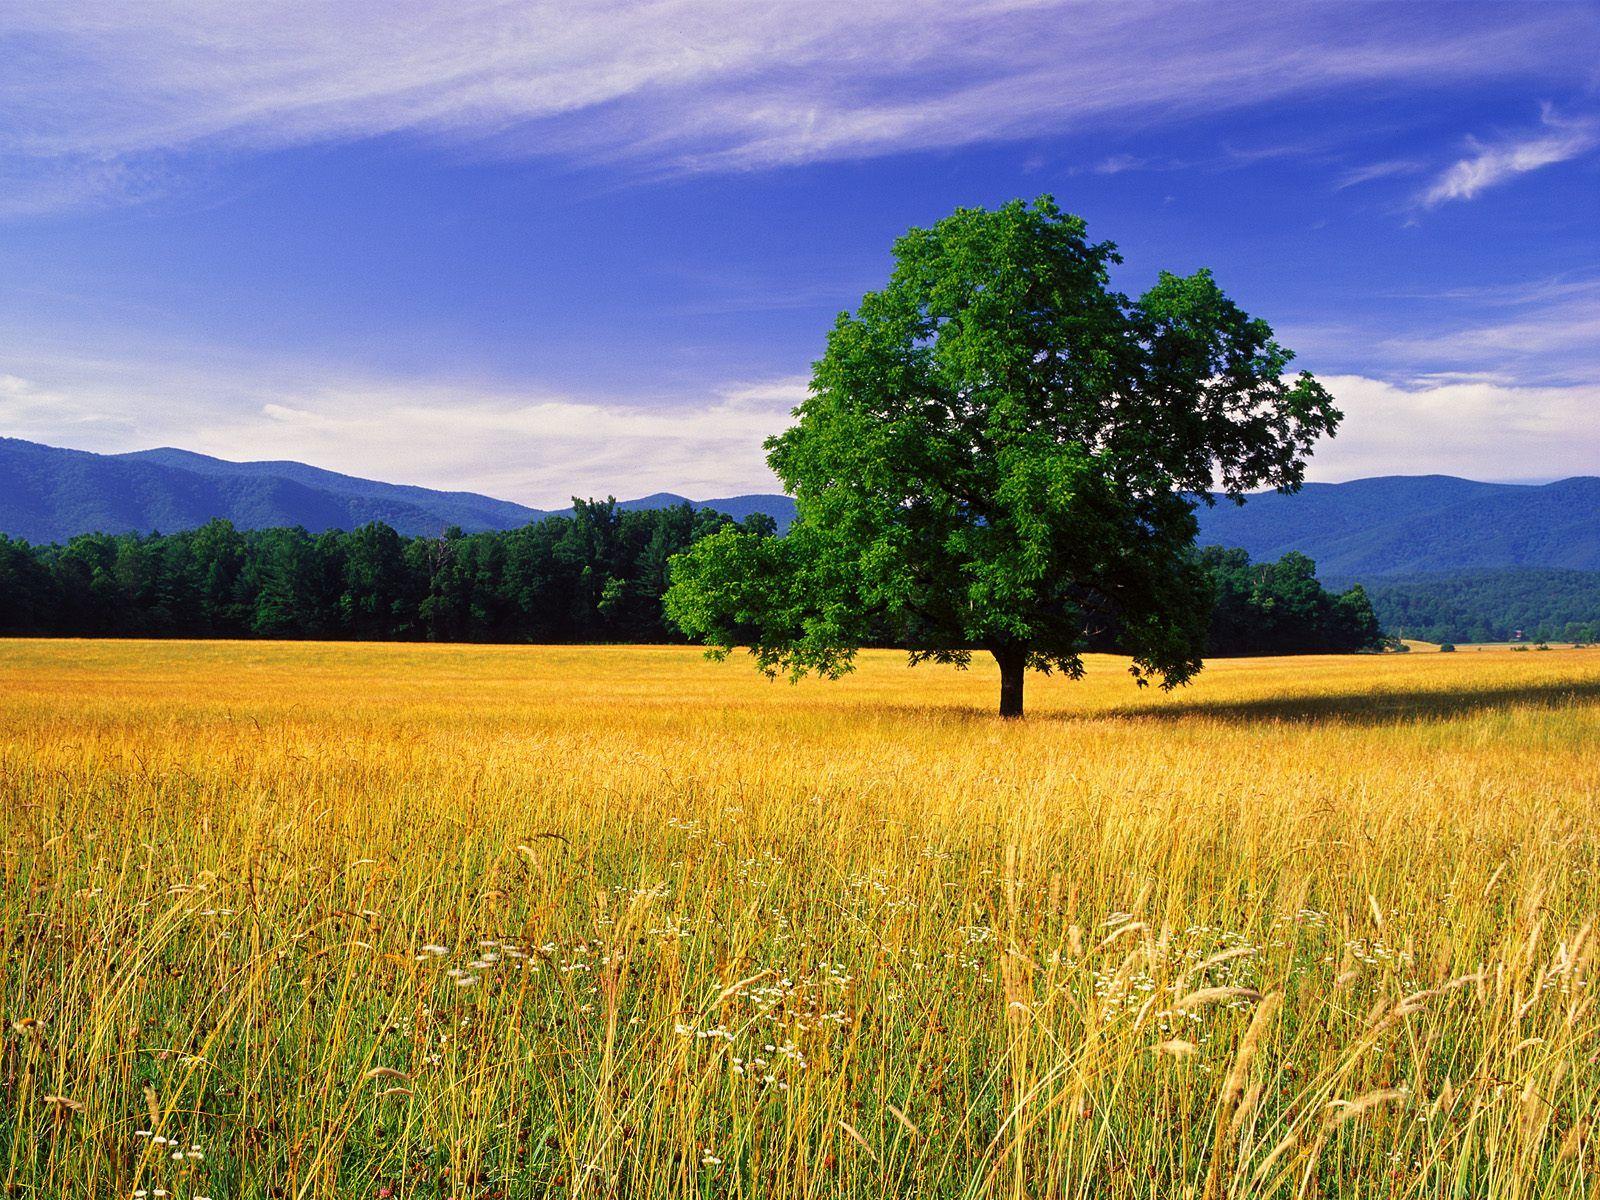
x=1492 y=606
x=1408 y=525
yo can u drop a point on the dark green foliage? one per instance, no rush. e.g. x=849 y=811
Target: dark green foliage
x=29 y=591
x=596 y=576
x=1000 y=454
x=1280 y=608
x=1492 y=606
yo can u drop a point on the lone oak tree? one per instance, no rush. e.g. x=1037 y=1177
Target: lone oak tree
x=1000 y=453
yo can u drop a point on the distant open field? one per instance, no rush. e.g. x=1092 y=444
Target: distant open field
x=303 y=920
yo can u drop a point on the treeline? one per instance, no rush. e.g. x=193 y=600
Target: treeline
x=1281 y=608
x=1492 y=606
x=596 y=576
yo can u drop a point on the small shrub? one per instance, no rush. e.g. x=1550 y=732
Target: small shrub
x=1447 y=647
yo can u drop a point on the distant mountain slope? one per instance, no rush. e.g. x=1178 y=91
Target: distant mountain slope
x=1491 y=606
x=467 y=509
x=1367 y=529
x=1409 y=524
x=49 y=495
x=779 y=507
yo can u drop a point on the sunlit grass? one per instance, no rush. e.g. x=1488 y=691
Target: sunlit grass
x=324 y=920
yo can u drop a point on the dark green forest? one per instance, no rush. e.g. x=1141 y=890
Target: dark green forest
x=1280 y=608
x=1492 y=606
x=597 y=576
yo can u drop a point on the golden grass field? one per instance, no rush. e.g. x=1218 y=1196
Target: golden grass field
x=304 y=920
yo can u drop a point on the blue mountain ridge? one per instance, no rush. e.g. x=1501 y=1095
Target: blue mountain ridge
x=1393 y=525
x=1366 y=529
x=49 y=494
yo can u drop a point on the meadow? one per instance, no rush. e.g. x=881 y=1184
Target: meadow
x=331 y=920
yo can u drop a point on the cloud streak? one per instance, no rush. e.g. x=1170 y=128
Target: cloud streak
x=1476 y=428
x=99 y=86
x=520 y=443
x=1379 y=170
x=540 y=447
x=1490 y=165
x=1538 y=333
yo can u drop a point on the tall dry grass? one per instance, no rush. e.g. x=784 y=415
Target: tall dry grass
x=318 y=920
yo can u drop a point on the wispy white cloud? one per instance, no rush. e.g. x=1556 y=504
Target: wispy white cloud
x=1518 y=294
x=1547 y=331
x=519 y=443
x=538 y=450
x=1561 y=328
x=541 y=447
x=34 y=187
x=1379 y=170
x=1542 y=332
x=1491 y=164
x=1116 y=164
x=1477 y=428
x=692 y=84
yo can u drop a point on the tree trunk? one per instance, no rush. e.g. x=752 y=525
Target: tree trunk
x=1013 y=669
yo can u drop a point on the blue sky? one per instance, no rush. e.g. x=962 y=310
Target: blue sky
x=538 y=250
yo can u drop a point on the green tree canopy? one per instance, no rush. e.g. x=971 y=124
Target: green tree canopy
x=1001 y=453
x=1281 y=608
